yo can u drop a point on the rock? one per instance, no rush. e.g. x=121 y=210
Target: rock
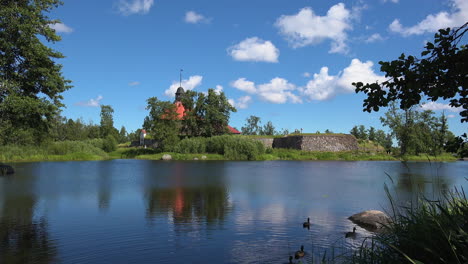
x=6 y=169
x=372 y=220
x=203 y=157
x=195 y=158
x=166 y=157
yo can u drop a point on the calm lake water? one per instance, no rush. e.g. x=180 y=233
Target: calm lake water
x=135 y=211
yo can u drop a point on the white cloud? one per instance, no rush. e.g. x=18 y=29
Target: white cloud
x=433 y=22
x=93 y=102
x=244 y=85
x=130 y=7
x=306 y=74
x=61 y=28
x=374 y=38
x=218 y=89
x=306 y=28
x=254 y=49
x=450 y=116
x=277 y=91
x=193 y=17
x=440 y=106
x=324 y=86
x=134 y=83
x=393 y=1
x=189 y=84
x=242 y=102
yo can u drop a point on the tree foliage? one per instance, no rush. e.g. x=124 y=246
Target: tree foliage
x=252 y=127
x=416 y=132
x=440 y=73
x=162 y=123
x=107 y=122
x=31 y=81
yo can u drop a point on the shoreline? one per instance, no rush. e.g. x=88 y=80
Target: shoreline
x=283 y=154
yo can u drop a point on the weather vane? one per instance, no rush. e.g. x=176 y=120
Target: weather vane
x=180 y=81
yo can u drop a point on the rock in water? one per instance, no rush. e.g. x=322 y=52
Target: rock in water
x=6 y=169
x=166 y=157
x=372 y=220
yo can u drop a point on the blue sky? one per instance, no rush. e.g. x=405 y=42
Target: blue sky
x=289 y=62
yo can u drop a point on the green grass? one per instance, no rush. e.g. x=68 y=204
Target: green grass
x=424 y=157
x=181 y=156
x=293 y=154
x=426 y=232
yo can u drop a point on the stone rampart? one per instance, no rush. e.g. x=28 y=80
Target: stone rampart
x=332 y=143
x=267 y=142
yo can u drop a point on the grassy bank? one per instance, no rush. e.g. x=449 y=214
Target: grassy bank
x=55 y=151
x=214 y=148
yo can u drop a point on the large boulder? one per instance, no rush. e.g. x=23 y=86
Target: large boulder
x=6 y=169
x=166 y=157
x=372 y=220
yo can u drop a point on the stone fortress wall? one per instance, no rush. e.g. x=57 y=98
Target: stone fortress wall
x=332 y=143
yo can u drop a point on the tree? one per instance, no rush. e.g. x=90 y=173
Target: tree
x=107 y=122
x=440 y=73
x=123 y=135
x=268 y=129
x=217 y=113
x=355 y=132
x=252 y=127
x=162 y=123
x=31 y=81
x=372 y=134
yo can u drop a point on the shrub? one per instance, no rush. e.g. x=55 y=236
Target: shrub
x=192 y=145
x=109 y=144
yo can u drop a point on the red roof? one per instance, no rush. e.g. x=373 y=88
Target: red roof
x=233 y=130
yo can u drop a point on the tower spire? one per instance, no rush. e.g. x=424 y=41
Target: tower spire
x=180 y=80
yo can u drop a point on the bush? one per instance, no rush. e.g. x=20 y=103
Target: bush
x=243 y=149
x=109 y=144
x=192 y=145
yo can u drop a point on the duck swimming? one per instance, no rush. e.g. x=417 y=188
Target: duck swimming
x=299 y=253
x=351 y=234
x=306 y=224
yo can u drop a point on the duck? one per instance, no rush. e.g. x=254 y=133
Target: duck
x=306 y=224
x=290 y=260
x=351 y=234
x=300 y=253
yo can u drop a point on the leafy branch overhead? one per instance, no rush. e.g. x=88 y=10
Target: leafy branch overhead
x=440 y=73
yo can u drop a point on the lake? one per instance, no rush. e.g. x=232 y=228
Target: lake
x=137 y=211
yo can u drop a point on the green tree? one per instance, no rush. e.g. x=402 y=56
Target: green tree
x=162 y=123
x=218 y=111
x=123 y=135
x=355 y=132
x=252 y=127
x=31 y=81
x=107 y=122
x=268 y=129
x=439 y=73
x=371 y=134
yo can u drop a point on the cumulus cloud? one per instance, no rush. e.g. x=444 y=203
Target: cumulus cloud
x=324 y=86
x=61 y=28
x=306 y=28
x=93 y=102
x=244 y=85
x=434 y=106
x=130 y=7
x=189 y=84
x=374 y=38
x=242 y=102
x=193 y=17
x=277 y=91
x=254 y=49
x=218 y=89
x=433 y=22
x=134 y=83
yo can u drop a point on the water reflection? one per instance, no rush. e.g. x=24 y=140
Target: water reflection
x=188 y=205
x=23 y=238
